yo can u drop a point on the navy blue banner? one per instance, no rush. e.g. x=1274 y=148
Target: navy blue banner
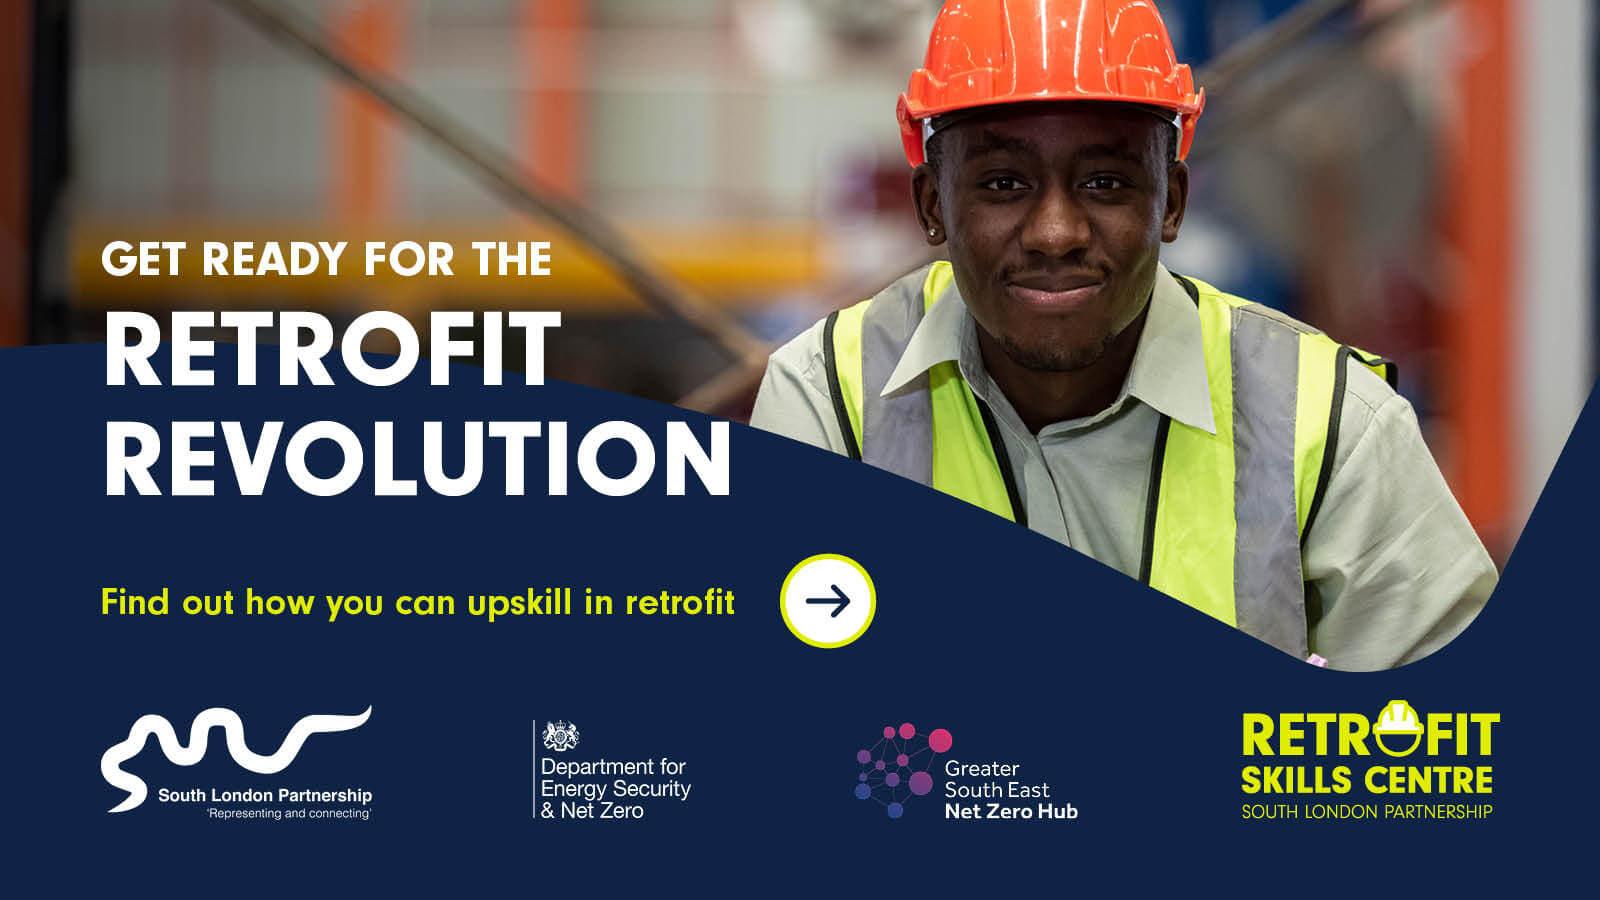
x=1013 y=714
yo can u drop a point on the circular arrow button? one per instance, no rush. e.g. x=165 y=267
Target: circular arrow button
x=827 y=600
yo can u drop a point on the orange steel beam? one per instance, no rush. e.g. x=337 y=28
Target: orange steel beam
x=553 y=121
x=362 y=154
x=1481 y=223
x=16 y=44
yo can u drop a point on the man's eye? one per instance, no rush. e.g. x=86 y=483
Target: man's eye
x=1003 y=183
x=1105 y=183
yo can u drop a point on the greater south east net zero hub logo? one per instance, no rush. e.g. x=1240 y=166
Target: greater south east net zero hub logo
x=897 y=767
x=1444 y=754
x=900 y=768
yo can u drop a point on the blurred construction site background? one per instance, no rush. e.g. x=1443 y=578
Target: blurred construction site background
x=1415 y=177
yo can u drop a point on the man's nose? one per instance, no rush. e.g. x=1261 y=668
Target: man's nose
x=1056 y=225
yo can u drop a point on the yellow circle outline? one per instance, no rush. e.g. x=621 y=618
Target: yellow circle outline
x=872 y=600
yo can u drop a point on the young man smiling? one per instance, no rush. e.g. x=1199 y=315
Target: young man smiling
x=1054 y=372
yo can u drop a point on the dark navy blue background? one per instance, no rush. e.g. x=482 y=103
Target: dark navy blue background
x=1127 y=702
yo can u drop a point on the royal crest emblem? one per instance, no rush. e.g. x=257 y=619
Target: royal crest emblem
x=560 y=736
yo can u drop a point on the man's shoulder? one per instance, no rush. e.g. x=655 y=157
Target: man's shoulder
x=1246 y=306
x=1369 y=386
x=805 y=351
x=1365 y=392
x=1366 y=388
x=797 y=396
x=802 y=353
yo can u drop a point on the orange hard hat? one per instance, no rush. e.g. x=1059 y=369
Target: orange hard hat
x=989 y=52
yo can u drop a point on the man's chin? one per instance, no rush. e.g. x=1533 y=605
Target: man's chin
x=1054 y=358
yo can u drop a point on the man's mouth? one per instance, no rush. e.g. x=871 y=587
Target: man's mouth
x=1054 y=292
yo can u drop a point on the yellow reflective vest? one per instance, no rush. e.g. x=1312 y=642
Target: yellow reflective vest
x=1226 y=512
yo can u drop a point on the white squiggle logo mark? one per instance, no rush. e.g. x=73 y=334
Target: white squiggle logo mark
x=233 y=728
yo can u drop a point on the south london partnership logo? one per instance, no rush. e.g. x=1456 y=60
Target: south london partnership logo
x=199 y=731
x=560 y=736
x=898 y=767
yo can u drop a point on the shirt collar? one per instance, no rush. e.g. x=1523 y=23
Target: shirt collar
x=1168 y=371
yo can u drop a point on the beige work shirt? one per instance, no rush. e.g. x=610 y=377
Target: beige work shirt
x=1393 y=569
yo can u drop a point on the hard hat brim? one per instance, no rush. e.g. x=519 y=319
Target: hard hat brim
x=912 y=117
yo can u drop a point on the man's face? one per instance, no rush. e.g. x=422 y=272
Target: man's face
x=1054 y=214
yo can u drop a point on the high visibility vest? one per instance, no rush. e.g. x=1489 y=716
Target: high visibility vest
x=1226 y=513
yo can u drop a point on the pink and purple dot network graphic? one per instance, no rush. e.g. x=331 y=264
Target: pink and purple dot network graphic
x=897 y=767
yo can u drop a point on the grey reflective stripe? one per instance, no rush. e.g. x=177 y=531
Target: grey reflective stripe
x=1268 y=587
x=896 y=431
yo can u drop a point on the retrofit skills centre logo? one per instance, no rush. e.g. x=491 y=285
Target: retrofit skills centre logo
x=297 y=802
x=1399 y=764
x=906 y=764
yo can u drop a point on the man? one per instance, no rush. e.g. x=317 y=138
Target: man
x=1054 y=372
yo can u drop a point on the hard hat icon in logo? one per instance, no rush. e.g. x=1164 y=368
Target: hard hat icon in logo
x=1397 y=722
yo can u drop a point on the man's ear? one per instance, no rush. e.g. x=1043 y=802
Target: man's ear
x=1177 y=200
x=925 y=197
